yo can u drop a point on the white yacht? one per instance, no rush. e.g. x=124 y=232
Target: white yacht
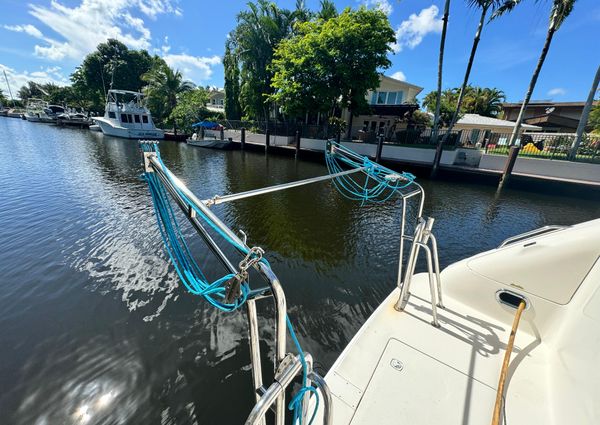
x=40 y=111
x=125 y=115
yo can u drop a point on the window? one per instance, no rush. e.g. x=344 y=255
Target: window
x=373 y=125
x=391 y=99
x=145 y=119
x=137 y=118
x=130 y=118
x=399 y=98
x=213 y=101
x=381 y=97
x=366 y=126
x=111 y=114
x=124 y=118
x=374 y=98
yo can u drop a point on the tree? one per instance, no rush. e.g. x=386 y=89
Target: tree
x=594 y=119
x=477 y=100
x=485 y=6
x=583 y=121
x=438 y=98
x=332 y=63
x=232 y=84
x=112 y=65
x=190 y=109
x=30 y=90
x=3 y=99
x=258 y=32
x=560 y=10
x=328 y=10
x=164 y=87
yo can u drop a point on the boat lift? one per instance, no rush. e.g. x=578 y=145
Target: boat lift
x=288 y=366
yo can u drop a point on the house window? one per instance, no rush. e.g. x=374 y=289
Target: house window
x=391 y=99
x=111 y=114
x=137 y=118
x=399 y=98
x=145 y=119
x=373 y=125
x=366 y=126
x=130 y=118
x=381 y=97
x=213 y=101
x=374 y=98
x=124 y=118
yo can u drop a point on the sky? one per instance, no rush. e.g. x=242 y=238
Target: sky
x=45 y=40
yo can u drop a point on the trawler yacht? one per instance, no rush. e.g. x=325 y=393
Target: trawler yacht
x=126 y=116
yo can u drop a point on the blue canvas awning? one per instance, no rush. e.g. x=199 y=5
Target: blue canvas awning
x=206 y=124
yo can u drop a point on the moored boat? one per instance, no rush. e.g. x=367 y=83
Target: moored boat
x=209 y=135
x=126 y=116
x=510 y=335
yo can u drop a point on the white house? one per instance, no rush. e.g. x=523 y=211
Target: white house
x=216 y=100
x=477 y=128
x=393 y=100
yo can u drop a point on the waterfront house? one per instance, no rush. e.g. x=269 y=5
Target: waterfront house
x=553 y=117
x=390 y=107
x=216 y=100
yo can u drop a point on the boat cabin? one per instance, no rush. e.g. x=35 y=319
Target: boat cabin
x=127 y=108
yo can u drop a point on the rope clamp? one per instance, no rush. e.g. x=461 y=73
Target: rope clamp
x=233 y=285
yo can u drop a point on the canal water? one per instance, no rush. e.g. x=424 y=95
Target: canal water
x=94 y=326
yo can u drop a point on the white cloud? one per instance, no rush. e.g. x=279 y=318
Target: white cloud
x=195 y=68
x=27 y=29
x=83 y=27
x=399 y=75
x=384 y=5
x=410 y=32
x=51 y=74
x=557 y=92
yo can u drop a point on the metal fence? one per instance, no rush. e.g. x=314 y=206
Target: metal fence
x=548 y=146
x=541 y=145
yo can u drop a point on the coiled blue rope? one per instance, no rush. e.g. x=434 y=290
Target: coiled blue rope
x=380 y=183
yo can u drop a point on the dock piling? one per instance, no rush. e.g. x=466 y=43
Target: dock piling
x=243 y=138
x=222 y=133
x=267 y=140
x=297 y=140
x=379 y=149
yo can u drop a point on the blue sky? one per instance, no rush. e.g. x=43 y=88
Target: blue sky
x=44 y=40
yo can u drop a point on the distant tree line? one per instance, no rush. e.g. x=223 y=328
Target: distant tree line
x=114 y=65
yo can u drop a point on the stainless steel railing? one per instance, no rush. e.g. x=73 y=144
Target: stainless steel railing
x=531 y=234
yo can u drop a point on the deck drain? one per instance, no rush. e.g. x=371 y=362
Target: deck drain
x=397 y=364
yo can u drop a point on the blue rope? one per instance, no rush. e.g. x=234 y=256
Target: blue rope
x=192 y=277
x=295 y=404
x=380 y=183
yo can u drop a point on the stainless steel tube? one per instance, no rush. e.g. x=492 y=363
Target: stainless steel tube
x=327 y=400
x=235 y=196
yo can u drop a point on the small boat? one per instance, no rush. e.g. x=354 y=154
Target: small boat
x=211 y=143
x=95 y=127
x=15 y=113
x=126 y=116
x=34 y=110
x=211 y=136
x=73 y=119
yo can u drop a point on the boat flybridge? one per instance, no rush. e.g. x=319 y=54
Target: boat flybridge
x=125 y=115
x=510 y=335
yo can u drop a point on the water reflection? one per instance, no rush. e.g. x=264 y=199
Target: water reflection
x=94 y=327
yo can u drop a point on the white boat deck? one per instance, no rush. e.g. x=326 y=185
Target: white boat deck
x=399 y=369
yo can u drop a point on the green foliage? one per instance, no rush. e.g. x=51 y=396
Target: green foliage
x=111 y=65
x=337 y=125
x=328 y=10
x=421 y=119
x=31 y=89
x=233 y=109
x=258 y=32
x=477 y=100
x=560 y=10
x=594 y=119
x=3 y=98
x=332 y=61
x=191 y=108
x=164 y=87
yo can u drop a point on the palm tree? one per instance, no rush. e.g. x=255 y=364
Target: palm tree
x=484 y=101
x=585 y=114
x=485 y=6
x=560 y=10
x=164 y=86
x=438 y=101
